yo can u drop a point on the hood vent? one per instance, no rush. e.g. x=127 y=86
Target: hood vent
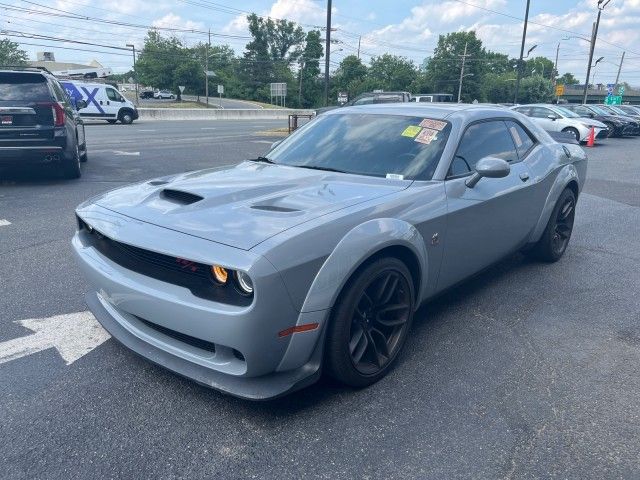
x=274 y=208
x=178 y=196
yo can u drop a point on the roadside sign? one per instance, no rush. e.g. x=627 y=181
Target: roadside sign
x=181 y=87
x=610 y=87
x=559 y=90
x=613 y=100
x=621 y=90
x=220 y=89
x=343 y=97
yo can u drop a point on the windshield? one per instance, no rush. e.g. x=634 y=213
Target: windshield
x=377 y=145
x=567 y=113
x=617 y=110
x=598 y=110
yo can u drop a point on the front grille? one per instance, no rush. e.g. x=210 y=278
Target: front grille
x=603 y=134
x=181 y=337
x=195 y=276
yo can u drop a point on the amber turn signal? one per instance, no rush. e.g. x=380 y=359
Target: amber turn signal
x=220 y=274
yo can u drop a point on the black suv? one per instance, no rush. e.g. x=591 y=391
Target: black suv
x=38 y=124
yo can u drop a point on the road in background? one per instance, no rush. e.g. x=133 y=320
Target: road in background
x=225 y=102
x=528 y=370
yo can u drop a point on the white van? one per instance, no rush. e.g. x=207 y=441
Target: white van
x=104 y=102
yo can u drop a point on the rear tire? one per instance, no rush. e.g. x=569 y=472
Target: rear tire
x=369 y=323
x=556 y=236
x=71 y=166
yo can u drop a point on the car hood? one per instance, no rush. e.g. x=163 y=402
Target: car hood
x=243 y=206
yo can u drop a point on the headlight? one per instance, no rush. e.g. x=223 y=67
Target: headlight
x=244 y=283
x=587 y=125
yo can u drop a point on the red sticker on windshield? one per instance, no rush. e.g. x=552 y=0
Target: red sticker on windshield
x=434 y=124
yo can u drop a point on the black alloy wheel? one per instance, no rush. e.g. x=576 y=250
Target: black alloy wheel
x=564 y=225
x=371 y=322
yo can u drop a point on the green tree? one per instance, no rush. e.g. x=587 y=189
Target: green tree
x=309 y=88
x=390 y=72
x=568 y=79
x=499 y=88
x=11 y=53
x=159 y=59
x=443 y=70
x=535 y=90
x=349 y=77
x=541 y=66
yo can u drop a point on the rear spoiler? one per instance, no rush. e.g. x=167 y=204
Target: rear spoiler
x=563 y=137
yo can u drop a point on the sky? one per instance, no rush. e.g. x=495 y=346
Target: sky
x=401 y=27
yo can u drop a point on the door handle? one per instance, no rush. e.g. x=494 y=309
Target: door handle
x=524 y=176
x=100 y=102
x=108 y=102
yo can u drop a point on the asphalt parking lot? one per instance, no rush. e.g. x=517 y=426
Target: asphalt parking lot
x=526 y=371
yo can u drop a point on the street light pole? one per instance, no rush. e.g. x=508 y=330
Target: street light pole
x=619 y=69
x=594 y=36
x=135 y=72
x=464 y=58
x=524 y=37
x=206 y=70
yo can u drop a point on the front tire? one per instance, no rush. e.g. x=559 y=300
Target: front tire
x=370 y=322
x=556 y=236
x=126 y=117
x=574 y=132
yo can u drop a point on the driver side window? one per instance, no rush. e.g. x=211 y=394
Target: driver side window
x=481 y=140
x=113 y=95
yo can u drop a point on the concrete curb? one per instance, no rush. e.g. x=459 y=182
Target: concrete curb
x=218 y=114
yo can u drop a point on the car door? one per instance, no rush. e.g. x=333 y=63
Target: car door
x=113 y=102
x=495 y=217
x=541 y=116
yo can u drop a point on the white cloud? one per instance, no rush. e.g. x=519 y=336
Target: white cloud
x=171 y=20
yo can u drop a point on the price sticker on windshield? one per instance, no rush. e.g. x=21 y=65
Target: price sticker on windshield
x=433 y=124
x=411 y=131
x=426 y=136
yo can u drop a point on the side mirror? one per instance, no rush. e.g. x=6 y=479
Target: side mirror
x=489 y=167
x=592 y=115
x=552 y=117
x=80 y=104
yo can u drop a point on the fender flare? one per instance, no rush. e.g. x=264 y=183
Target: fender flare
x=355 y=248
x=567 y=174
x=359 y=244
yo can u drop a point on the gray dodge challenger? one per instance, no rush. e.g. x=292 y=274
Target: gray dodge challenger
x=256 y=279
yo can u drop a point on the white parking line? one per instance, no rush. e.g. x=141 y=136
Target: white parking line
x=4 y=223
x=208 y=128
x=151 y=130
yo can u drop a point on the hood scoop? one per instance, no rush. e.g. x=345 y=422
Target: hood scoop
x=274 y=208
x=179 y=196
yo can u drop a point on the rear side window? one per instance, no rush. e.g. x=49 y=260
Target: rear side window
x=481 y=140
x=521 y=138
x=23 y=87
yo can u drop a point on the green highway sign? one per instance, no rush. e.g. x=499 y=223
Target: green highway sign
x=613 y=100
x=621 y=90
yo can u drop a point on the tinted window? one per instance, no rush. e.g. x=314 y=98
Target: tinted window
x=580 y=110
x=24 y=87
x=523 y=110
x=364 y=101
x=481 y=140
x=521 y=138
x=59 y=93
x=367 y=144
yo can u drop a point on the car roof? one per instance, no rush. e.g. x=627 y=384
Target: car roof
x=428 y=110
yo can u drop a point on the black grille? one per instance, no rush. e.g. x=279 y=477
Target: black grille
x=195 y=276
x=179 y=196
x=182 y=337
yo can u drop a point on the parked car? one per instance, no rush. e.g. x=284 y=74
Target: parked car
x=38 y=122
x=370 y=98
x=616 y=110
x=555 y=118
x=221 y=276
x=431 y=97
x=147 y=94
x=618 y=126
x=103 y=101
x=164 y=94
x=632 y=110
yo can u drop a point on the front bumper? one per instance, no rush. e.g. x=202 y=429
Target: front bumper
x=235 y=349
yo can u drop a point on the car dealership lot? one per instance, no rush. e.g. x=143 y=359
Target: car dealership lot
x=526 y=370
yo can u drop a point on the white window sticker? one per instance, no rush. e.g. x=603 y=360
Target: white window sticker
x=395 y=176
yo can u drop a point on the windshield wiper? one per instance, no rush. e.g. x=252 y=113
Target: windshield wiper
x=262 y=159
x=318 y=167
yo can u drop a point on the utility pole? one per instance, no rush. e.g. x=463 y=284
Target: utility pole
x=359 y=39
x=135 y=72
x=464 y=58
x=300 y=86
x=524 y=38
x=594 y=36
x=555 y=66
x=206 y=70
x=327 y=55
x=619 y=69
